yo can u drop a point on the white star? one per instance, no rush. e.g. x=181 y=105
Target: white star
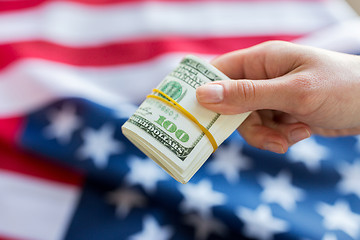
x=200 y=197
x=279 y=190
x=205 y=226
x=260 y=224
x=329 y=237
x=99 y=145
x=350 y=182
x=357 y=146
x=152 y=230
x=340 y=217
x=126 y=199
x=63 y=124
x=145 y=172
x=229 y=161
x=125 y=110
x=309 y=152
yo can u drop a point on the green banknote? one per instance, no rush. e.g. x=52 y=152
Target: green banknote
x=170 y=137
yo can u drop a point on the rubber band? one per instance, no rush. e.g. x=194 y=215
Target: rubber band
x=186 y=113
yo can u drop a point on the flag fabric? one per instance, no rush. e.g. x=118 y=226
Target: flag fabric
x=73 y=71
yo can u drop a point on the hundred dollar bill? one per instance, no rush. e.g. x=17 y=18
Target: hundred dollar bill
x=170 y=137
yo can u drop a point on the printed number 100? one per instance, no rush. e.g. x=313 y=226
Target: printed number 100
x=172 y=128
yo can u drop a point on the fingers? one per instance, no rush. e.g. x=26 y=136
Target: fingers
x=262 y=137
x=274 y=75
x=336 y=132
x=262 y=132
x=263 y=61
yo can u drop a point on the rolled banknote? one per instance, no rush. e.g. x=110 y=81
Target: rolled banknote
x=173 y=129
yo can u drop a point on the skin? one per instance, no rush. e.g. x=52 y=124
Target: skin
x=293 y=91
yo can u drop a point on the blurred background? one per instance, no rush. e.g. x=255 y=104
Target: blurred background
x=73 y=71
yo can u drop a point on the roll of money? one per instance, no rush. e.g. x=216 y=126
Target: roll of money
x=173 y=129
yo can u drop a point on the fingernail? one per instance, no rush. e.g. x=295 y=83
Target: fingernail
x=210 y=93
x=299 y=134
x=274 y=147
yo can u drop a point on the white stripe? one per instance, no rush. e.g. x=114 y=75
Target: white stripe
x=74 y=24
x=344 y=37
x=32 y=83
x=35 y=209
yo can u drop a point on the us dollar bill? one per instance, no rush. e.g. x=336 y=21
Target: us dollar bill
x=170 y=137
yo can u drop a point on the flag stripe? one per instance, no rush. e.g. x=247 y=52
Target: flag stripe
x=343 y=37
x=50 y=81
x=33 y=208
x=8 y=238
x=128 y=52
x=10 y=129
x=72 y=24
x=22 y=4
x=15 y=160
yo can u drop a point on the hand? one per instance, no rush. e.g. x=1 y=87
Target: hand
x=293 y=91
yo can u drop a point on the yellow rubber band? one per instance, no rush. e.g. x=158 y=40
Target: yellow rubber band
x=186 y=113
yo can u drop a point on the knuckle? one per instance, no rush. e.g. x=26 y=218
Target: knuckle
x=304 y=94
x=238 y=96
x=245 y=89
x=274 y=45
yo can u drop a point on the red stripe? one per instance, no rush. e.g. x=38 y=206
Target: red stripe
x=8 y=238
x=15 y=160
x=10 y=129
x=24 y=4
x=126 y=52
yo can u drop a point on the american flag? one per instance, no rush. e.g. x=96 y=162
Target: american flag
x=72 y=72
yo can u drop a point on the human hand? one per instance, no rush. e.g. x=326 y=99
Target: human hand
x=293 y=91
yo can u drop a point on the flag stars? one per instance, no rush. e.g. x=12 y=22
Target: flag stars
x=205 y=226
x=99 y=145
x=357 y=145
x=260 y=223
x=152 y=230
x=145 y=172
x=340 y=217
x=125 y=110
x=229 y=161
x=126 y=199
x=350 y=174
x=279 y=190
x=329 y=236
x=309 y=152
x=200 y=197
x=63 y=123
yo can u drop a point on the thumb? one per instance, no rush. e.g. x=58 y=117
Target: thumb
x=239 y=96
